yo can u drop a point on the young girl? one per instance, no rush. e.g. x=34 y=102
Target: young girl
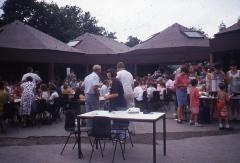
x=223 y=98
x=194 y=102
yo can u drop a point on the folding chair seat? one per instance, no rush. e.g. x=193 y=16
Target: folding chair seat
x=101 y=130
x=71 y=128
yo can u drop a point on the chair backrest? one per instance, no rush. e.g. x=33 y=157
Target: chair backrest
x=41 y=105
x=101 y=127
x=156 y=96
x=74 y=105
x=9 y=110
x=69 y=120
x=145 y=99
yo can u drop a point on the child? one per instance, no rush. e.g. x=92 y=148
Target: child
x=223 y=98
x=194 y=102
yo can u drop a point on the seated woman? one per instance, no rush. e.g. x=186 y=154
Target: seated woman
x=4 y=97
x=52 y=99
x=44 y=94
x=150 y=91
x=138 y=95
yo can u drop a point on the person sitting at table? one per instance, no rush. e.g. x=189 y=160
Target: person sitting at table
x=17 y=91
x=53 y=93
x=150 y=91
x=138 y=95
x=67 y=90
x=161 y=87
x=52 y=99
x=222 y=112
x=27 y=99
x=44 y=94
x=4 y=97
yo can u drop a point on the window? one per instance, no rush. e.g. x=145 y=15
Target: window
x=73 y=43
x=193 y=34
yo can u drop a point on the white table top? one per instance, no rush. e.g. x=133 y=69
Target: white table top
x=124 y=115
x=207 y=97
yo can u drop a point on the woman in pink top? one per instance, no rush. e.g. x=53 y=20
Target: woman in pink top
x=194 y=102
x=181 y=84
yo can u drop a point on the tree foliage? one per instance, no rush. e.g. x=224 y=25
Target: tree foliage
x=132 y=41
x=64 y=23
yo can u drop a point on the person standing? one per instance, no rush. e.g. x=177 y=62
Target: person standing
x=27 y=98
x=127 y=81
x=36 y=79
x=194 y=102
x=233 y=78
x=117 y=100
x=181 y=85
x=91 y=84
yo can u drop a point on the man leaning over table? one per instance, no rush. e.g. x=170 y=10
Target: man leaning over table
x=91 y=84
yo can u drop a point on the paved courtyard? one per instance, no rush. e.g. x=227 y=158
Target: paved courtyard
x=185 y=144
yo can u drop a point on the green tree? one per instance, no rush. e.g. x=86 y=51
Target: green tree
x=17 y=10
x=132 y=41
x=65 y=23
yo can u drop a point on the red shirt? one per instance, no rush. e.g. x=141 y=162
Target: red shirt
x=181 y=81
x=194 y=97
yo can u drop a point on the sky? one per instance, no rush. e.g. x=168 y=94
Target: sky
x=143 y=18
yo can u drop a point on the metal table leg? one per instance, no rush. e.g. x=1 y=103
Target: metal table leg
x=80 y=155
x=164 y=135
x=154 y=142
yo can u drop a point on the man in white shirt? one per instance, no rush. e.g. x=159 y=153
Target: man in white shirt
x=91 y=84
x=36 y=78
x=126 y=79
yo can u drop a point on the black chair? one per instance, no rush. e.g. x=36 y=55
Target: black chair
x=101 y=130
x=145 y=102
x=164 y=102
x=155 y=101
x=126 y=131
x=10 y=112
x=41 y=108
x=72 y=129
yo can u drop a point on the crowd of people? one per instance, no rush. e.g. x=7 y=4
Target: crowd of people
x=185 y=86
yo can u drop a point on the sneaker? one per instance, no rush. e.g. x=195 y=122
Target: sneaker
x=197 y=124
x=220 y=126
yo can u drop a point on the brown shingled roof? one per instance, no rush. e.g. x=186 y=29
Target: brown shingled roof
x=233 y=27
x=173 y=45
x=18 y=35
x=95 y=44
x=172 y=36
